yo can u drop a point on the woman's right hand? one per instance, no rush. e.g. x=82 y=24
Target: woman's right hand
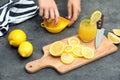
x=48 y=10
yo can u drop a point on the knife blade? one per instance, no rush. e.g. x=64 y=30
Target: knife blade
x=100 y=32
x=99 y=36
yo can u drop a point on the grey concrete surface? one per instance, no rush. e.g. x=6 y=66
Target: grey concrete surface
x=106 y=68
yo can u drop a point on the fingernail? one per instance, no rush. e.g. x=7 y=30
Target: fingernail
x=69 y=17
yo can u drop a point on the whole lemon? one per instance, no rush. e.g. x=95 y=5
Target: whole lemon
x=25 y=49
x=16 y=37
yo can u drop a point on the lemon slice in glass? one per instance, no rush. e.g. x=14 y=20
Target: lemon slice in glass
x=96 y=16
x=56 y=48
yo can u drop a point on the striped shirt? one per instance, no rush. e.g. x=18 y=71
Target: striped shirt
x=13 y=13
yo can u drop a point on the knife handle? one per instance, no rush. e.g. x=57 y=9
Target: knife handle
x=100 y=22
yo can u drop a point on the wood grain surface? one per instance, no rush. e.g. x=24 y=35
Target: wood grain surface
x=106 y=47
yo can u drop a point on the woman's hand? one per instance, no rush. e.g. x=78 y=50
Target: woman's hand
x=74 y=9
x=48 y=10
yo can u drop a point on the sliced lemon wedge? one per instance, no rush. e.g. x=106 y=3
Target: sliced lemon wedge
x=116 y=32
x=113 y=38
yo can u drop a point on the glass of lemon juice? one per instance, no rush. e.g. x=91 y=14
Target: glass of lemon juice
x=87 y=31
x=88 y=27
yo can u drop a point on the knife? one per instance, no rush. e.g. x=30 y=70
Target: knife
x=100 y=32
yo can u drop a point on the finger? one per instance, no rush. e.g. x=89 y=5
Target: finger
x=49 y=20
x=52 y=16
x=41 y=12
x=46 y=14
x=56 y=17
x=75 y=16
x=72 y=21
x=69 y=11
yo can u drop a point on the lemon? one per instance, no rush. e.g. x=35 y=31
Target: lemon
x=25 y=49
x=113 y=38
x=16 y=37
x=56 y=48
x=73 y=41
x=96 y=16
x=87 y=53
x=77 y=51
x=68 y=48
x=67 y=58
x=116 y=32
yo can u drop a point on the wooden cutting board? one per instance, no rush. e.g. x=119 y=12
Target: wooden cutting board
x=47 y=60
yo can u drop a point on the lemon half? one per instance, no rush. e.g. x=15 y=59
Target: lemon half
x=116 y=32
x=113 y=38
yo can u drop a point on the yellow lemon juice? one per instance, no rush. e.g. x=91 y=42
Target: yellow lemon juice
x=87 y=31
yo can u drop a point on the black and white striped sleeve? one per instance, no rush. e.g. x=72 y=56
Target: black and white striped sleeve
x=14 y=13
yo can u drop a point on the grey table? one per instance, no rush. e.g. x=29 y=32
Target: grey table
x=106 y=68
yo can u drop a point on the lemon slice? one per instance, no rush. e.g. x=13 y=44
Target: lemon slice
x=87 y=53
x=96 y=15
x=77 y=51
x=56 y=48
x=73 y=41
x=116 y=32
x=68 y=48
x=112 y=37
x=67 y=58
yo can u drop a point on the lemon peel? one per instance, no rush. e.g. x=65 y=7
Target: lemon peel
x=25 y=49
x=16 y=37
